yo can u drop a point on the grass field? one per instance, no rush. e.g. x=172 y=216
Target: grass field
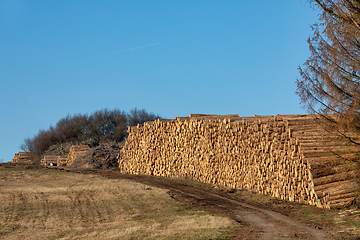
x=49 y=204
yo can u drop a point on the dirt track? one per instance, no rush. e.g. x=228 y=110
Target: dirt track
x=254 y=222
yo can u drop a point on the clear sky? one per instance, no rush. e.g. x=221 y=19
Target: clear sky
x=169 y=57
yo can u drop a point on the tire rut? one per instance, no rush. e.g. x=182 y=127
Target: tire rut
x=10 y=214
x=83 y=204
x=45 y=209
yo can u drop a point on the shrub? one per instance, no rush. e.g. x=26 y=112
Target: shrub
x=101 y=126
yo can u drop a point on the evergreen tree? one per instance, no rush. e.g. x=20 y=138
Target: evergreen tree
x=329 y=79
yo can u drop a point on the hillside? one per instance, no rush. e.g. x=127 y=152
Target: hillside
x=88 y=204
x=40 y=203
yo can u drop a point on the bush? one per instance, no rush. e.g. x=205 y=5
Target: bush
x=137 y=116
x=72 y=128
x=101 y=126
x=107 y=125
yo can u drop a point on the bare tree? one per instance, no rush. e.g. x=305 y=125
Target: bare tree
x=102 y=125
x=107 y=124
x=329 y=79
x=72 y=128
x=140 y=116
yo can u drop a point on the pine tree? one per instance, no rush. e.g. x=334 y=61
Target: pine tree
x=329 y=79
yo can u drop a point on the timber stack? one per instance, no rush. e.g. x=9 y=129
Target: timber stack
x=286 y=156
x=332 y=159
x=61 y=161
x=23 y=157
x=75 y=151
x=49 y=160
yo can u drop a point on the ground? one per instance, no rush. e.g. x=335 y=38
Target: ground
x=40 y=203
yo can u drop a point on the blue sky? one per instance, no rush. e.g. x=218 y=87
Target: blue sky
x=170 y=57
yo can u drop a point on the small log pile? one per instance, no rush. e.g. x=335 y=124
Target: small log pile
x=61 y=161
x=23 y=157
x=49 y=160
x=75 y=151
x=283 y=156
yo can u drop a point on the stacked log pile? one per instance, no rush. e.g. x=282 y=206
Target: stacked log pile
x=283 y=156
x=22 y=157
x=49 y=160
x=76 y=151
x=333 y=161
x=61 y=161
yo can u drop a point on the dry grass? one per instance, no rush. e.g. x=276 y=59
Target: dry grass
x=48 y=204
x=345 y=221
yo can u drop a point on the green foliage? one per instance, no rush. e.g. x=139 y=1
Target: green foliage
x=103 y=125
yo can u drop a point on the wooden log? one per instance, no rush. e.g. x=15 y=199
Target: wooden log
x=336 y=178
x=332 y=160
x=329 y=169
x=339 y=203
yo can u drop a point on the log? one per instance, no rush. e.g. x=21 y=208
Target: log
x=330 y=169
x=336 y=178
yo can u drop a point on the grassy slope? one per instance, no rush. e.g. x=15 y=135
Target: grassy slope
x=48 y=204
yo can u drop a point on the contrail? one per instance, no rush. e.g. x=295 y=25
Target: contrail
x=130 y=49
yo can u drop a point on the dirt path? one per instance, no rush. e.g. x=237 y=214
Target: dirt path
x=254 y=222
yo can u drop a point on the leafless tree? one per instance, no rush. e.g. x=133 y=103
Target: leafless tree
x=102 y=125
x=140 y=116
